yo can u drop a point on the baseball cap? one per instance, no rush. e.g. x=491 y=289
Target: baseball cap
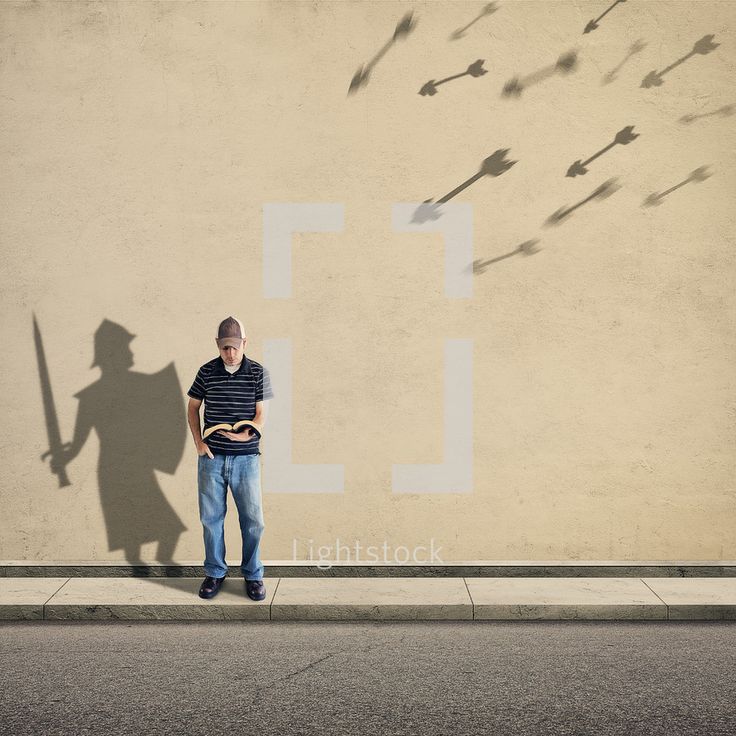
x=230 y=333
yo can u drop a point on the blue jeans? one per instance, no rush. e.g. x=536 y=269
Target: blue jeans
x=243 y=474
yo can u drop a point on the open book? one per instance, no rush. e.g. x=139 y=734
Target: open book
x=237 y=427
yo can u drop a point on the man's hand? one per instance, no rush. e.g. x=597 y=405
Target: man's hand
x=245 y=436
x=203 y=449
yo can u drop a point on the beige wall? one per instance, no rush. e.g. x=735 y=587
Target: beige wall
x=140 y=142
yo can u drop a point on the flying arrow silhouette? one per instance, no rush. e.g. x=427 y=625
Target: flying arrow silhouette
x=494 y=165
x=700 y=174
x=702 y=46
x=564 y=64
x=604 y=191
x=487 y=10
x=623 y=137
x=527 y=248
x=593 y=24
x=360 y=78
x=635 y=48
x=474 y=70
x=724 y=111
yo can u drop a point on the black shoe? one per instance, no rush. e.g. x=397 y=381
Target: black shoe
x=255 y=589
x=211 y=586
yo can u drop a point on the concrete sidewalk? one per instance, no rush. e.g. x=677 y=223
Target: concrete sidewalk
x=372 y=598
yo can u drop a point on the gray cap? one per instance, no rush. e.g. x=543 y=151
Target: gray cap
x=230 y=333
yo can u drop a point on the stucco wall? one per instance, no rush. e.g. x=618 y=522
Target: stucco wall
x=577 y=399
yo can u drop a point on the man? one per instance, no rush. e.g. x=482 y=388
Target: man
x=233 y=387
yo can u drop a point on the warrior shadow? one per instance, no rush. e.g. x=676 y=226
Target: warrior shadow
x=140 y=425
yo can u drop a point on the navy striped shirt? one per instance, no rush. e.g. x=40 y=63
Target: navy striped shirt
x=230 y=397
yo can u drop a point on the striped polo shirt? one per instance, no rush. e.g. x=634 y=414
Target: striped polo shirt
x=230 y=397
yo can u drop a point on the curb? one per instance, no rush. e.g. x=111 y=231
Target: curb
x=310 y=569
x=376 y=599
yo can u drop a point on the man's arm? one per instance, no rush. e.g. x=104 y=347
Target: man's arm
x=261 y=412
x=193 y=419
x=259 y=418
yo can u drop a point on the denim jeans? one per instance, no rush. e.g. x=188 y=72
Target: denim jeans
x=243 y=474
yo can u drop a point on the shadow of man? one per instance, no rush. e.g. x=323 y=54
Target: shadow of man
x=140 y=424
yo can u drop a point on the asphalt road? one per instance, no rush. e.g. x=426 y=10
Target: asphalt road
x=672 y=678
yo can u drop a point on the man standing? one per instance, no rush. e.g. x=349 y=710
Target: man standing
x=233 y=387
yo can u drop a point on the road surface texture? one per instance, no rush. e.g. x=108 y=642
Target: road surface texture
x=496 y=678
